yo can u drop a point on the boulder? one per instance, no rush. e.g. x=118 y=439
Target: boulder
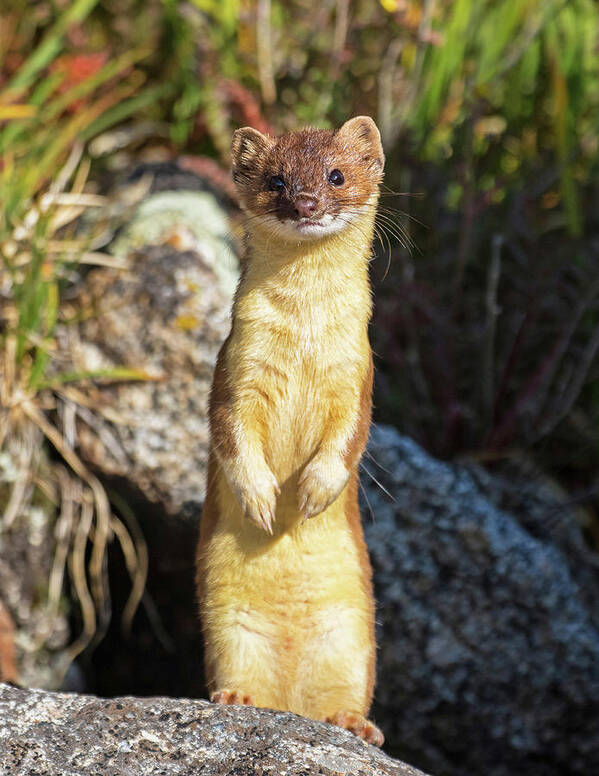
x=51 y=734
x=161 y=312
x=163 y=315
x=488 y=619
x=157 y=309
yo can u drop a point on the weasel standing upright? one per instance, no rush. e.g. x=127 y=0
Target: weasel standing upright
x=284 y=580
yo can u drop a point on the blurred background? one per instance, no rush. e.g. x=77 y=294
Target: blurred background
x=486 y=275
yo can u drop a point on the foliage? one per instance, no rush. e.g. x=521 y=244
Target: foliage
x=497 y=81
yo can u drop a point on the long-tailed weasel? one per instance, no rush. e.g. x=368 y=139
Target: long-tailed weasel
x=286 y=602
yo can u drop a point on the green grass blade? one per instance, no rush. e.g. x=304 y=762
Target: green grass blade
x=113 y=374
x=51 y=45
x=125 y=109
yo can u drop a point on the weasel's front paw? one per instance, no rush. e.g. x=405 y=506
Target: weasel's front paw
x=259 y=499
x=320 y=483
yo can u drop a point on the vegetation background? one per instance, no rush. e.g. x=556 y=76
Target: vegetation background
x=486 y=326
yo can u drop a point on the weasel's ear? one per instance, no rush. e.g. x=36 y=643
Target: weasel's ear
x=247 y=145
x=361 y=134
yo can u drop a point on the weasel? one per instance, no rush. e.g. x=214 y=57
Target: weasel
x=284 y=579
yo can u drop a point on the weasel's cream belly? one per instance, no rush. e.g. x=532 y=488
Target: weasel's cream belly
x=289 y=617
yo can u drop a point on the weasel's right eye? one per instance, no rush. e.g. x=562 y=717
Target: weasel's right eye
x=276 y=183
x=336 y=178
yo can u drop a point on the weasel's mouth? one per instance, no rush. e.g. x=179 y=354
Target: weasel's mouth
x=310 y=228
x=309 y=224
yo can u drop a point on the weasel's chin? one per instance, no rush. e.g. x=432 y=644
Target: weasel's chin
x=310 y=227
x=292 y=230
x=318 y=227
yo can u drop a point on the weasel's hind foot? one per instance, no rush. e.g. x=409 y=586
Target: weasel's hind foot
x=231 y=697
x=359 y=726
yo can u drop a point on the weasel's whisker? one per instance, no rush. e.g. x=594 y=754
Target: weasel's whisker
x=404 y=214
x=365 y=494
x=374 y=479
x=400 y=232
x=375 y=462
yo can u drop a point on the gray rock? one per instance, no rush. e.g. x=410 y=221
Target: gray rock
x=488 y=638
x=51 y=734
x=164 y=312
x=197 y=217
x=165 y=315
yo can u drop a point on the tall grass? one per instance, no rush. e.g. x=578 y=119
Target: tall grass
x=493 y=82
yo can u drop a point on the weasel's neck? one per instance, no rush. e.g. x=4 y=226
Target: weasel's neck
x=314 y=268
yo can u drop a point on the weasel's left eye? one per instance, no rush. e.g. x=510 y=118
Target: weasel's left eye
x=336 y=178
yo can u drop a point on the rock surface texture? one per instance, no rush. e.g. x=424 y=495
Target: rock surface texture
x=488 y=638
x=164 y=311
x=165 y=314
x=51 y=734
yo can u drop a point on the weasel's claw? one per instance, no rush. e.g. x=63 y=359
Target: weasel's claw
x=359 y=726
x=261 y=517
x=320 y=483
x=302 y=502
x=230 y=697
x=259 y=500
x=261 y=513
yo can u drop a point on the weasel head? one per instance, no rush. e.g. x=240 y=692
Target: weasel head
x=308 y=184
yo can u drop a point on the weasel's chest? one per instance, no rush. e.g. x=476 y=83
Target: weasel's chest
x=296 y=378
x=296 y=354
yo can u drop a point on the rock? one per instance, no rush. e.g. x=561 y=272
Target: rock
x=193 y=216
x=52 y=734
x=488 y=619
x=165 y=316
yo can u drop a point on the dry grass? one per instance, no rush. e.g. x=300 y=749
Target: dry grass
x=31 y=400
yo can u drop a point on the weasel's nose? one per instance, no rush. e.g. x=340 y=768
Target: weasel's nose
x=305 y=207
